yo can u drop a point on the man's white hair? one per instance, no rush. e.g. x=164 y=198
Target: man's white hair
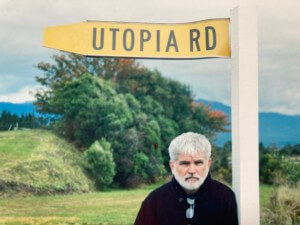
x=190 y=144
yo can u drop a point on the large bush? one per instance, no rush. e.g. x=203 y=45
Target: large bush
x=100 y=163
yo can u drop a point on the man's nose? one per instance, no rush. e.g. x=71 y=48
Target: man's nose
x=192 y=168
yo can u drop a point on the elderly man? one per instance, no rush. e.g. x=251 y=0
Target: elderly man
x=192 y=196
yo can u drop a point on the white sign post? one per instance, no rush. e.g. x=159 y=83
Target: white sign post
x=244 y=106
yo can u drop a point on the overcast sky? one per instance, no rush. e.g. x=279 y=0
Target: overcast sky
x=22 y=24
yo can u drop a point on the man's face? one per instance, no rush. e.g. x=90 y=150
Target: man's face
x=190 y=170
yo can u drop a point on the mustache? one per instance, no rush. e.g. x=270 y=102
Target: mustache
x=192 y=177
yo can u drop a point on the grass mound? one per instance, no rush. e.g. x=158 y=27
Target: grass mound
x=38 y=162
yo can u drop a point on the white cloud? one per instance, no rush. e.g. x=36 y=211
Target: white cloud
x=25 y=94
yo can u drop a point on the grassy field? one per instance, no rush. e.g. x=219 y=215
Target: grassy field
x=117 y=207
x=112 y=207
x=47 y=164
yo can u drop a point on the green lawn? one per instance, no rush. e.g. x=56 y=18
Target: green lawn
x=265 y=193
x=112 y=207
x=117 y=207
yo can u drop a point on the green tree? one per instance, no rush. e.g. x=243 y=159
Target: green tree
x=70 y=67
x=90 y=109
x=221 y=165
x=9 y=120
x=169 y=97
x=141 y=141
x=163 y=97
x=169 y=129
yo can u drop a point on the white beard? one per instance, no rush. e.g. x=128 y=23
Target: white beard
x=190 y=186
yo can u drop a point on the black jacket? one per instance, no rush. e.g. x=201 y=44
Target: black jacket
x=215 y=204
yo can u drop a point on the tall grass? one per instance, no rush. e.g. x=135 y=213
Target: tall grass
x=283 y=207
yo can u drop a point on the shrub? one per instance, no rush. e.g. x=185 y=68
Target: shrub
x=100 y=163
x=140 y=165
x=291 y=171
x=270 y=167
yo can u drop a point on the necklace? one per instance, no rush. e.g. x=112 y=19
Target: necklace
x=190 y=211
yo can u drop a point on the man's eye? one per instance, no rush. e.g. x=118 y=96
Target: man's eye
x=198 y=163
x=184 y=163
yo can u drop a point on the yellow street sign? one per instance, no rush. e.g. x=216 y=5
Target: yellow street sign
x=202 y=39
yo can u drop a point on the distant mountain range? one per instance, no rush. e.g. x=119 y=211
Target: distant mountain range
x=274 y=128
x=19 y=109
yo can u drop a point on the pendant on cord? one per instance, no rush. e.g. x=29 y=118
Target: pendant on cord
x=190 y=211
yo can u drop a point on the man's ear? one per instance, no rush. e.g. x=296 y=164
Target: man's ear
x=171 y=163
x=209 y=162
